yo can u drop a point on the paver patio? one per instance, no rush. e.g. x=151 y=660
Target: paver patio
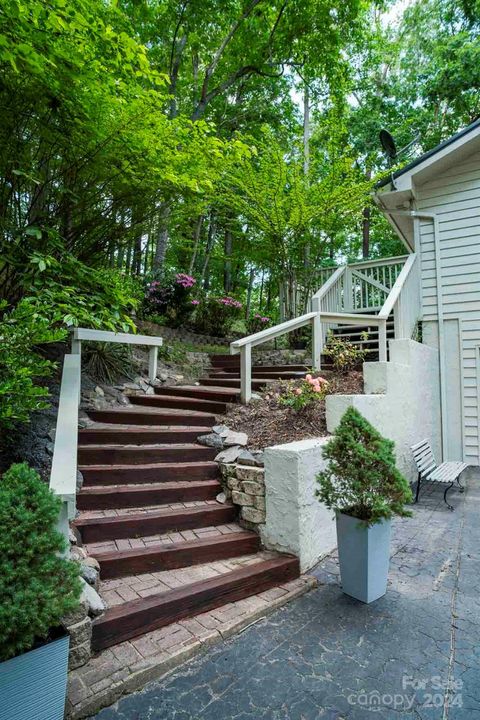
x=328 y=656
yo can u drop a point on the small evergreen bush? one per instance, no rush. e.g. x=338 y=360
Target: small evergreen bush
x=361 y=479
x=37 y=586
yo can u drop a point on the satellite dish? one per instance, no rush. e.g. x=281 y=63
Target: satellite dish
x=388 y=144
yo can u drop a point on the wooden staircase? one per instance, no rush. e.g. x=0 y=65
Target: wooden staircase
x=148 y=507
x=355 y=335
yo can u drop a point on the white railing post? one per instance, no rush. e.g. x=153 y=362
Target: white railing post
x=348 y=290
x=382 y=341
x=245 y=374
x=317 y=342
x=152 y=363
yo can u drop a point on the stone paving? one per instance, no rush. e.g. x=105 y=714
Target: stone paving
x=413 y=654
x=131 y=664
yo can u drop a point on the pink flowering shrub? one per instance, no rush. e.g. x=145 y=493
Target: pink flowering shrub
x=216 y=315
x=304 y=394
x=170 y=298
x=257 y=322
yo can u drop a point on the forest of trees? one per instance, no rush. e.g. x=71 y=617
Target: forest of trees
x=232 y=141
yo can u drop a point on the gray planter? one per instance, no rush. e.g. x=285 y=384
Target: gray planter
x=33 y=685
x=364 y=555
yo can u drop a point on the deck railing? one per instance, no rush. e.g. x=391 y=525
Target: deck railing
x=63 y=475
x=340 y=301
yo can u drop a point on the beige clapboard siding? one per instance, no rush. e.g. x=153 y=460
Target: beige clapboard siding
x=455 y=198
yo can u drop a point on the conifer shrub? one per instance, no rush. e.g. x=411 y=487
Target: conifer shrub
x=361 y=478
x=37 y=585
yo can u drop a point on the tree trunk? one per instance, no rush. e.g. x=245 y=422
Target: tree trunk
x=205 y=276
x=162 y=239
x=366 y=224
x=196 y=242
x=306 y=154
x=249 y=293
x=227 y=266
x=366 y=232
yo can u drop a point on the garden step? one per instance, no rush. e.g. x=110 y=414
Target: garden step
x=137 y=617
x=229 y=395
x=134 y=415
x=265 y=374
x=153 y=522
x=231 y=360
x=143 y=454
x=160 y=556
x=257 y=383
x=135 y=435
x=153 y=472
x=178 y=402
x=123 y=496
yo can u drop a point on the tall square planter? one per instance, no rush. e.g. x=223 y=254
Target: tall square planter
x=364 y=556
x=33 y=685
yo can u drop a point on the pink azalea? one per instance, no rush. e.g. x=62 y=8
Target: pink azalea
x=195 y=302
x=308 y=377
x=298 y=391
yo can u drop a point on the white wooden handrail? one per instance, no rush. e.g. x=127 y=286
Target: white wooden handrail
x=397 y=288
x=63 y=475
x=154 y=343
x=403 y=299
x=332 y=280
x=271 y=333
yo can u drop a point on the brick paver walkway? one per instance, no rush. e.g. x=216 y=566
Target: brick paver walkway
x=413 y=654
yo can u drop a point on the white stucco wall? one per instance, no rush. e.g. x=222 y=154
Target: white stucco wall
x=296 y=522
x=402 y=400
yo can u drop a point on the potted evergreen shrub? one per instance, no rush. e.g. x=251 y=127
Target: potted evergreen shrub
x=38 y=586
x=364 y=488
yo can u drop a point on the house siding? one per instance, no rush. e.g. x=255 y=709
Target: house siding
x=454 y=196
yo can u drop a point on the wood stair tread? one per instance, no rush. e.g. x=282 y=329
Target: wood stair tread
x=148 y=466
x=102 y=497
x=137 y=617
x=130 y=473
x=160 y=556
x=145 y=446
x=152 y=522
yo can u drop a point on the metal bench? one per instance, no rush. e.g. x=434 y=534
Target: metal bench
x=447 y=472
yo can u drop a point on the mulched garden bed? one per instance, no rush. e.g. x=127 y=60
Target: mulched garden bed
x=267 y=422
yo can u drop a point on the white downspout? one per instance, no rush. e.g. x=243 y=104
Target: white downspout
x=417 y=215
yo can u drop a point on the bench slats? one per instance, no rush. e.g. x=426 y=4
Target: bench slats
x=445 y=473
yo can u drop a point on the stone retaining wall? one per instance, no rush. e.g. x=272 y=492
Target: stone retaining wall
x=244 y=485
x=264 y=355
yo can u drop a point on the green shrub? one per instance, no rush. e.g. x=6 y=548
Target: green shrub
x=173 y=352
x=170 y=298
x=304 y=393
x=256 y=323
x=67 y=292
x=20 y=364
x=37 y=586
x=361 y=479
x=345 y=355
x=107 y=362
x=216 y=315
